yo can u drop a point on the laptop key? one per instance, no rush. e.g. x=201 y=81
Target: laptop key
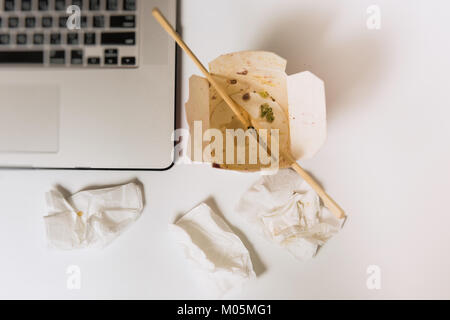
x=76 y=57
x=26 y=5
x=93 y=61
x=60 y=5
x=128 y=61
x=127 y=21
x=30 y=22
x=62 y=22
x=13 y=22
x=34 y=57
x=99 y=21
x=72 y=38
x=10 y=5
x=43 y=5
x=111 y=52
x=57 y=57
x=21 y=39
x=119 y=38
x=111 y=56
x=111 y=61
x=55 y=38
x=4 y=38
x=94 y=5
x=129 y=5
x=112 y=5
x=47 y=22
x=89 y=38
x=38 y=38
x=78 y=3
x=84 y=22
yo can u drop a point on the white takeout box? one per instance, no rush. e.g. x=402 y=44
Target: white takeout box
x=301 y=96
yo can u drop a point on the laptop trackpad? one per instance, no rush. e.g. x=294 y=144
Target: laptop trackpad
x=29 y=118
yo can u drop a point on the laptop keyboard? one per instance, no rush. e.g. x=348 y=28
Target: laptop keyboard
x=35 y=32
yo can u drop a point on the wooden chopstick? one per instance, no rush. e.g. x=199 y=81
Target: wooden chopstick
x=244 y=117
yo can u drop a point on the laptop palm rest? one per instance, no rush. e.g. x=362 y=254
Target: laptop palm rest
x=29 y=118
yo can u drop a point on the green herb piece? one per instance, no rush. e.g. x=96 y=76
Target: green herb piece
x=264 y=94
x=264 y=109
x=267 y=112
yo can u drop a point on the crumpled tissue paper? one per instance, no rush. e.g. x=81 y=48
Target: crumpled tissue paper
x=220 y=259
x=287 y=211
x=91 y=218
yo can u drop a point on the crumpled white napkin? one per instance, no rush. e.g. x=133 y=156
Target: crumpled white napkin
x=289 y=212
x=91 y=218
x=220 y=258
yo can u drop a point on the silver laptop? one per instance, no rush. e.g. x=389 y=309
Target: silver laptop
x=97 y=92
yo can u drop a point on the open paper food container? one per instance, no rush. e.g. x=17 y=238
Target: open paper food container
x=257 y=81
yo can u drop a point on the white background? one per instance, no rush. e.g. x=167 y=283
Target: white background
x=386 y=161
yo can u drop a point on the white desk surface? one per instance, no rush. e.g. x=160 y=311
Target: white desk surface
x=386 y=161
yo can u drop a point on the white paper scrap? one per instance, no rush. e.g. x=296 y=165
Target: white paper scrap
x=91 y=218
x=288 y=212
x=221 y=259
